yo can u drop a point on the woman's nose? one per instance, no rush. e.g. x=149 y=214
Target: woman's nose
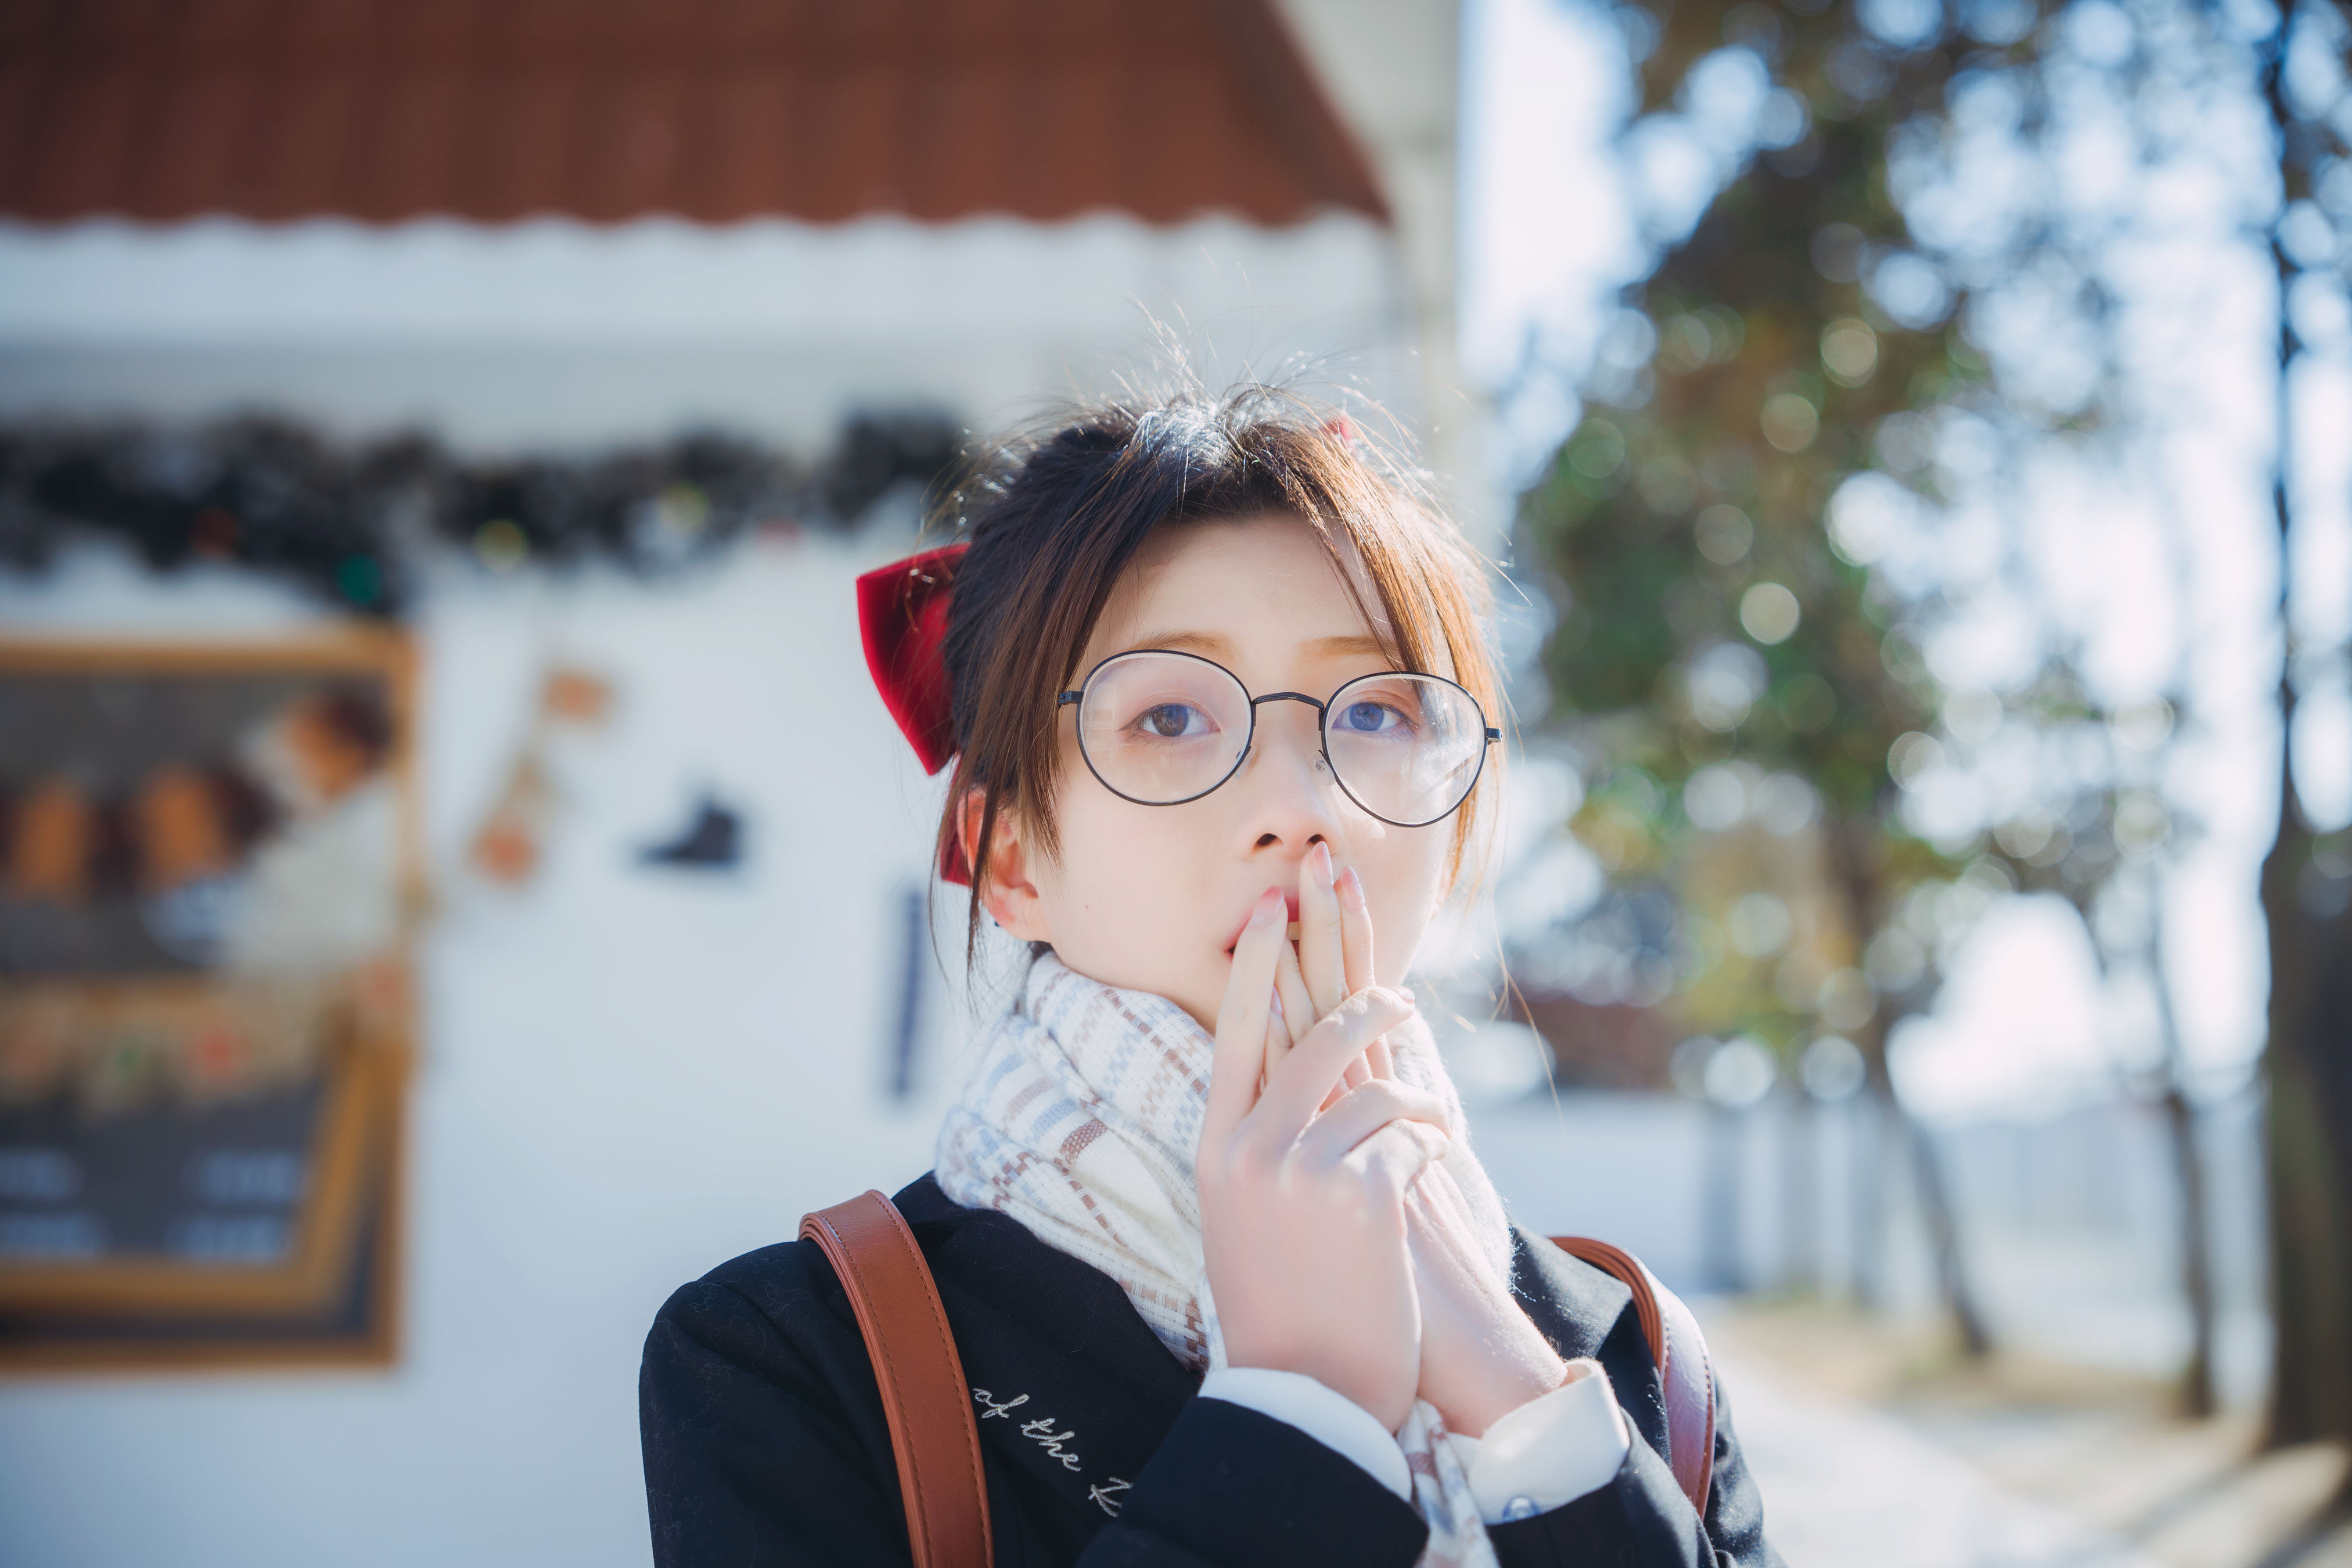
x=1290 y=797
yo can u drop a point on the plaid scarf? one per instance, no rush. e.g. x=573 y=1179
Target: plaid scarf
x=1081 y=1121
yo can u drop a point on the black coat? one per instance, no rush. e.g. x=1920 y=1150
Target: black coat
x=765 y=1442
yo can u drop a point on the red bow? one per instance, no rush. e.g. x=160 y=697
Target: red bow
x=902 y=613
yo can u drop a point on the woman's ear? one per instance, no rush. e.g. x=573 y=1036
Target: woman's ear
x=1006 y=891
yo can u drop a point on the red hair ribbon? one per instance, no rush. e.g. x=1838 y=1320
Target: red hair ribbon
x=902 y=613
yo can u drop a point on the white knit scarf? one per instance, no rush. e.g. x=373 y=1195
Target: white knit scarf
x=1081 y=1121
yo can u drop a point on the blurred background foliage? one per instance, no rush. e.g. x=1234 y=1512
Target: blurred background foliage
x=1888 y=314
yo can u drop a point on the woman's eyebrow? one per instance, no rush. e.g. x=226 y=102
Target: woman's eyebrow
x=1355 y=645
x=1215 y=644
x=1209 y=643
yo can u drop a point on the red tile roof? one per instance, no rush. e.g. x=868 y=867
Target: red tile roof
x=708 y=110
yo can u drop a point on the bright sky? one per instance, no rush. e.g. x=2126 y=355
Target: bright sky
x=1552 y=226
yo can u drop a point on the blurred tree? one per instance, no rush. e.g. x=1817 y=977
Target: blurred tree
x=1721 y=610
x=2306 y=881
x=1728 y=635
x=2082 y=796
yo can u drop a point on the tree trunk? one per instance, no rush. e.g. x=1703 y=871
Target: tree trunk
x=1801 y=1163
x=1944 y=1236
x=1858 y=881
x=2307 y=1062
x=2308 y=1072
x=1866 y=1120
x=1727 y=1149
x=2196 y=1393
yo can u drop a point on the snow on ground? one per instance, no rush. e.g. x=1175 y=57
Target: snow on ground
x=1846 y=1486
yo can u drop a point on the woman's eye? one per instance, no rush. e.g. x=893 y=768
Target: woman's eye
x=1370 y=718
x=1172 y=720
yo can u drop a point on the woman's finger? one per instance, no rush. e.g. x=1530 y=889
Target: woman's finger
x=1242 y=1018
x=1291 y=987
x=1445 y=1212
x=1358 y=1073
x=1323 y=952
x=1311 y=1070
x=1360 y=1112
x=1277 y=1037
x=1398 y=1154
x=1296 y=1005
x=1320 y=958
x=1355 y=953
x=1355 y=931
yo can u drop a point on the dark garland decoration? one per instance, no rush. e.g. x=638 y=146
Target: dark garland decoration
x=350 y=523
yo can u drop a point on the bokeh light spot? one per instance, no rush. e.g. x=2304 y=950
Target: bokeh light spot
x=1769 y=613
x=1790 y=421
x=1849 y=350
x=1724 y=534
x=499 y=545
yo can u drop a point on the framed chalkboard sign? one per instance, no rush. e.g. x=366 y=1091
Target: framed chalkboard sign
x=209 y=869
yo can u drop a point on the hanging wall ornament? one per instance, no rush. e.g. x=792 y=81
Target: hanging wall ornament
x=352 y=523
x=711 y=840
x=510 y=842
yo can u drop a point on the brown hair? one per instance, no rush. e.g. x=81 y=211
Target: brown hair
x=1058 y=515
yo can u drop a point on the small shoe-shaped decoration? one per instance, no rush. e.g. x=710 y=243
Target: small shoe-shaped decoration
x=713 y=841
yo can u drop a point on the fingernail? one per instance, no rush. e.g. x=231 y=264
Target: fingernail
x=1273 y=1006
x=1402 y=992
x=1268 y=902
x=1352 y=885
x=1323 y=864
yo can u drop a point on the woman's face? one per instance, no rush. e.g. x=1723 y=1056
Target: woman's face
x=1152 y=898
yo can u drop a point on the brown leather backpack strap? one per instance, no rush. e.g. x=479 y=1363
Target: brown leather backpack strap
x=922 y=1377
x=1680 y=1350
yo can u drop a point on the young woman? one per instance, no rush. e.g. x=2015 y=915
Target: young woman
x=1227 y=1284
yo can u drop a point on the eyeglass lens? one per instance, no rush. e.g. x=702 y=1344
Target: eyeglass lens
x=1165 y=728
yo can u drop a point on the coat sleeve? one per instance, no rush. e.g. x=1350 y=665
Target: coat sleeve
x=1231 y=1485
x=767 y=1446
x=1643 y=1517
x=751 y=1456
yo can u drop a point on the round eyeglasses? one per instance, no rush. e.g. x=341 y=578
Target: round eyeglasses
x=1161 y=728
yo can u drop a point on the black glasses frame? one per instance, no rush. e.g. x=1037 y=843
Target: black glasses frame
x=1249 y=741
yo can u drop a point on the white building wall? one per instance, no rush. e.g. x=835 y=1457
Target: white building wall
x=556 y=334
x=626 y=1077
x=1393 y=69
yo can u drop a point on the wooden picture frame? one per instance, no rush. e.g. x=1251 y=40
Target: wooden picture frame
x=204 y=1046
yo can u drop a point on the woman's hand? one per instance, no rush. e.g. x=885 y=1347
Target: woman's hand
x=1480 y=1357
x=1303 y=1189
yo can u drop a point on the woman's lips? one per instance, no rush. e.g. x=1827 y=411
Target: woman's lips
x=1290 y=906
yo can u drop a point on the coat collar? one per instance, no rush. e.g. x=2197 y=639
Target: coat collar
x=1575 y=1304
x=1072 y=1387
